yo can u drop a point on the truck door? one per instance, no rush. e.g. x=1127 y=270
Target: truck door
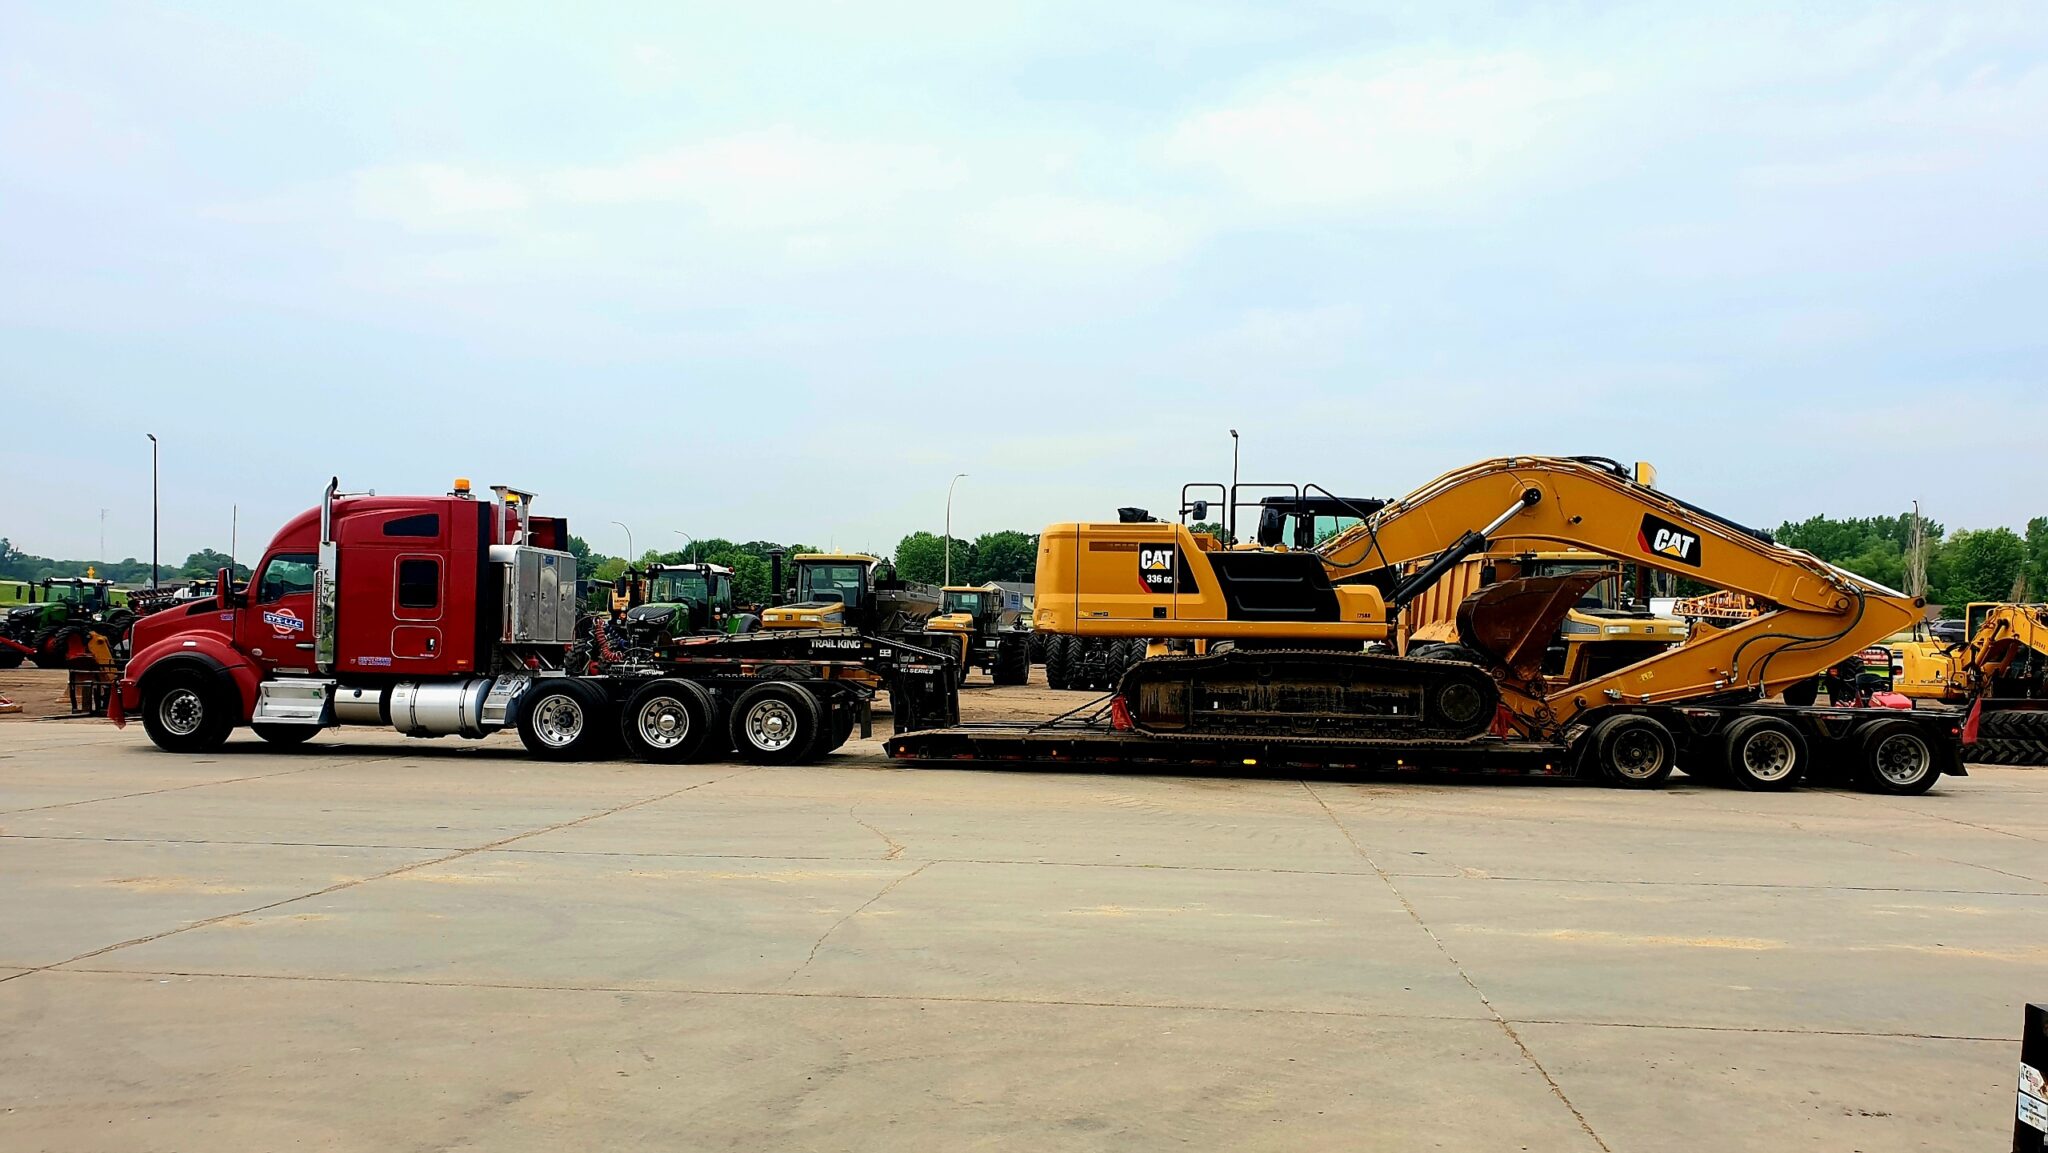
x=276 y=630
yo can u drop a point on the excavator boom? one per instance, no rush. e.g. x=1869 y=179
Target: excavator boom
x=1817 y=613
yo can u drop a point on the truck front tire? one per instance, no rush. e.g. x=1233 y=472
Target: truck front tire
x=185 y=710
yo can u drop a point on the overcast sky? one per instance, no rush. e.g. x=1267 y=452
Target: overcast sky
x=774 y=270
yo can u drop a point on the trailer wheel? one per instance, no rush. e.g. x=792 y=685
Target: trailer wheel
x=1763 y=754
x=776 y=723
x=1057 y=655
x=1897 y=758
x=285 y=736
x=667 y=721
x=561 y=719
x=185 y=711
x=1633 y=752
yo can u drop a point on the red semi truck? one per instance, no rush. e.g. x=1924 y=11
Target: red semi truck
x=456 y=616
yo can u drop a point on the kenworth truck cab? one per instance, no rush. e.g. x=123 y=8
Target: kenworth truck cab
x=431 y=614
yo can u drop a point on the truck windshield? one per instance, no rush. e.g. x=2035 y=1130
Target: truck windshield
x=671 y=587
x=963 y=602
x=839 y=582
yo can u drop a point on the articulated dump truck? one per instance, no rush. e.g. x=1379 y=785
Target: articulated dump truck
x=1292 y=653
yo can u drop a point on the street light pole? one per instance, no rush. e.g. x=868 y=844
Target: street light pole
x=688 y=540
x=949 y=525
x=155 y=572
x=1230 y=506
x=631 y=556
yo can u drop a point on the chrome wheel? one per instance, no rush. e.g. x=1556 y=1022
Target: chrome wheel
x=1903 y=759
x=559 y=720
x=1769 y=756
x=663 y=722
x=771 y=726
x=181 y=712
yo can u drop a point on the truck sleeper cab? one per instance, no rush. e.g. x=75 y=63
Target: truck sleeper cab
x=453 y=616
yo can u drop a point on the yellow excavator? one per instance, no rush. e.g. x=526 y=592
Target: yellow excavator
x=1301 y=662
x=1999 y=670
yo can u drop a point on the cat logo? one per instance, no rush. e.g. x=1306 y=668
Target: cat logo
x=1667 y=541
x=1156 y=564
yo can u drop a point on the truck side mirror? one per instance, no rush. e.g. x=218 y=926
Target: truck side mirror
x=224 y=587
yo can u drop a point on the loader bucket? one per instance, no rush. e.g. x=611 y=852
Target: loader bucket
x=1512 y=622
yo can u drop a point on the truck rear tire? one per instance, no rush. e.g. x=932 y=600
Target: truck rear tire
x=186 y=711
x=775 y=723
x=562 y=719
x=285 y=736
x=1763 y=754
x=1897 y=758
x=1632 y=751
x=667 y=721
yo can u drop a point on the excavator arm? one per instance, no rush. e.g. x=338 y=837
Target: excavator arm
x=1815 y=614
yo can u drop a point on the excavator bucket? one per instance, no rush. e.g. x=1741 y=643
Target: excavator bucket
x=1512 y=622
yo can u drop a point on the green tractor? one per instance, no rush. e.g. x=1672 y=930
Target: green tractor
x=681 y=600
x=37 y=629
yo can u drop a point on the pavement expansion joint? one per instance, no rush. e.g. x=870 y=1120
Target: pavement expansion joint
x=155 y=792
x=779 y=993
x=820 y=942
x=1506 y=1028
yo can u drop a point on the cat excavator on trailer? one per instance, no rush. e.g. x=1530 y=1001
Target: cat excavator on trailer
x=1310 y=676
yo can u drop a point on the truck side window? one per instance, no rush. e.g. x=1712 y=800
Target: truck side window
x=426 y=524
x=287 y=573
x=419 y=583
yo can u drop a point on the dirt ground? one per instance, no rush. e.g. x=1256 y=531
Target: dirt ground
x=39 y=692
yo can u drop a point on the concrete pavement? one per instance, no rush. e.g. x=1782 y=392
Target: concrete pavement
x=374 y=944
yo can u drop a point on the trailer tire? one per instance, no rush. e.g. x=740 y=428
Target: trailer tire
x=666 y=722
x=1763 y=754
x=1633 y=751
x=185 y=710
x=562 y=719
x=285 y=736
x=776 y=723
x=1897 y=758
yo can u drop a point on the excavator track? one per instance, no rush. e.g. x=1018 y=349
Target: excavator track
x=1308 y=694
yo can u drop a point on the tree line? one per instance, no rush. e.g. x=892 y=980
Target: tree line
x=201 y=565
x=1991 y=564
